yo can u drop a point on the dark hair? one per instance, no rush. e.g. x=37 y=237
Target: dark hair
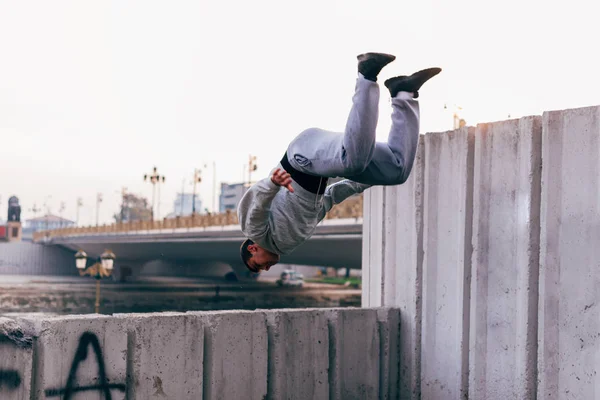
x=246 y=253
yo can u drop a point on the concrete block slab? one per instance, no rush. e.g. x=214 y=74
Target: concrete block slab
x=388 y=320
x=298 y=354
x=354 y=361
x=393 y=263
x=79 y=357
x=372 y=250
x=16 y=356
x=447 y=263
x=569 y=309
x=235 y=354
x=403 y=268
x=165 y=354
x=505 y=261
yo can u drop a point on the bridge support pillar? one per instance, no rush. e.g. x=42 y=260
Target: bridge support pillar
x=126 y=269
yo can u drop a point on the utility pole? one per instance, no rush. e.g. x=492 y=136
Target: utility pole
x=98 y=201
x=214 y=205
x=158 y=202
x=197 y=179
x=47 y=207
x=154 y=179
x=79 y=204
x=182 y=197
x=60 y=212
x=251 y=167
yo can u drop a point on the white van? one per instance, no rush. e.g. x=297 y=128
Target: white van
x=290 y=278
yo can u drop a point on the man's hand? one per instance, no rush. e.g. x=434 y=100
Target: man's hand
x=282 y=178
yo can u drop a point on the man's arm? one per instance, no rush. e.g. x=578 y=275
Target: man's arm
x=338 y=192
x=253 y=210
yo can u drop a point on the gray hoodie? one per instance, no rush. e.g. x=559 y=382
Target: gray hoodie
x=279 y=220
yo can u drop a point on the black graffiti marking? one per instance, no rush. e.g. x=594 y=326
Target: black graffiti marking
x=104 y=386
x=10 y=378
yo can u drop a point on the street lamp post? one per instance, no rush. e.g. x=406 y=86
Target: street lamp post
x=197 y=179
x=154 y=179
x=251 y=167
x=98 y=201
x=101 y=269
x=79 y=204
x=47 y=207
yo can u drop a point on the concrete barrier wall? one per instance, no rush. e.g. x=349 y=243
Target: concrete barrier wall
x=510 y=280
x=393 y=239
x=346 y=353
x=569 y=320
x=506 y=204
x=446 y=265
x=16 y=358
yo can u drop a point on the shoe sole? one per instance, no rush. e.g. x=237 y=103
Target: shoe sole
x=380 y=56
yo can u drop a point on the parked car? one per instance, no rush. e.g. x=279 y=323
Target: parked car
x=290 y=278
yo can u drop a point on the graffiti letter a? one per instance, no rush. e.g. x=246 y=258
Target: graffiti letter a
x=85 y=341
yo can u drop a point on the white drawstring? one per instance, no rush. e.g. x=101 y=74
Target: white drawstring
x=317 y=196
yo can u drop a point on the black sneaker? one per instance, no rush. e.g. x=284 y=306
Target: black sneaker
x=370 y=64
x=412 y=83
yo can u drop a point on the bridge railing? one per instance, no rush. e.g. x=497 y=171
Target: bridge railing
x=350 y=208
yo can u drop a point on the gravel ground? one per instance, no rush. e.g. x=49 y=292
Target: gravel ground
x=76 y=295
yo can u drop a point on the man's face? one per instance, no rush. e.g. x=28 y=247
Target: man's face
x=261 y=260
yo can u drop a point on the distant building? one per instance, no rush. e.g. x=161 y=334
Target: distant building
x=184 y=203
x=231 y=194
x=47 y=222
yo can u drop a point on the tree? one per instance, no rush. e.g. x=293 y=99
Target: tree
x=133 y=208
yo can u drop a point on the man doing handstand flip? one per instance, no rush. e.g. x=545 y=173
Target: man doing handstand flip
x=279 y=213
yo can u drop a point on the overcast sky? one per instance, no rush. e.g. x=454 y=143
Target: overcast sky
x=93 y=94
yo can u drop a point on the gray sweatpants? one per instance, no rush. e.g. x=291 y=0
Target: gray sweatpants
x=354 y=154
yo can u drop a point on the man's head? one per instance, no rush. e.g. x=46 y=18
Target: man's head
x=256 y=258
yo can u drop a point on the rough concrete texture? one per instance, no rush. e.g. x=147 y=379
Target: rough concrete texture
x=372 y=247
x=235 y=354
x=504 y=288
x=393 y=242
x=446 y=264
x=298 y=354
x=354 y=354
x=79 y=357
x=343 y=353
x=388 y=321
x=569 y=312
x=15 y=361
x=165 y=353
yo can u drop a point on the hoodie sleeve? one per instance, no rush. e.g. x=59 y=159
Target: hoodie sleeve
x=338 y=192
x=253 y=210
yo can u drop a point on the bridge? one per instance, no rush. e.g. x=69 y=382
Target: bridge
x=208 y=239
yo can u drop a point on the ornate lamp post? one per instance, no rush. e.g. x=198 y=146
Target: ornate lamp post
x=154 y=179
x=101 y=269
